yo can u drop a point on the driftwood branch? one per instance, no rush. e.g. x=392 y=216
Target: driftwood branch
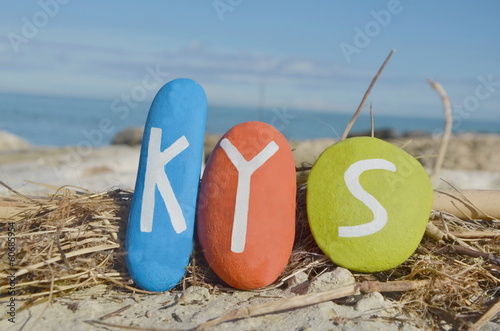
x=447 y=129
x=314 y=298
x=372 y=122
x=367 y=93
x=468 y=204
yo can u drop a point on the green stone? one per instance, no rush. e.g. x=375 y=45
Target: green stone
x=373 y=218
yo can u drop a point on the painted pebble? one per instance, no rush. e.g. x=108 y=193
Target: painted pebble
x=246 y=207
x=368 y=203
x=161 y=223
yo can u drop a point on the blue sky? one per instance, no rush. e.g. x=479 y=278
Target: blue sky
x=260 y=53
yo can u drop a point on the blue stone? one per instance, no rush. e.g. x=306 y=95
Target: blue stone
x=161 y=223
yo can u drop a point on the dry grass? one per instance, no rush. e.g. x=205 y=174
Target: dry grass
x=464 y=273
x=64 y=242
x=74 y=239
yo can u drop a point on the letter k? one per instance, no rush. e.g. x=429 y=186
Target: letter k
x=156 y=176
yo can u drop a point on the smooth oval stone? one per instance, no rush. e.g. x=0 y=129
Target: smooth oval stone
x=368 y=203
x=246 y=207
x=161 y=222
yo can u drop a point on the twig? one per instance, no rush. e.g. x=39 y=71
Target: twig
x=486 y=317
x=18 y=194
x=51 y=289
x=102 y=275
x=466 y=251
x=372 y=121
x=314 y=298
x=452 y=237
x=479 y=204
x=434 y=232
x=447 y=129
x=59 y=248
x=367 y=93
x=115 y=313
x=477 y=234
x=488 y=203
x=126 y=327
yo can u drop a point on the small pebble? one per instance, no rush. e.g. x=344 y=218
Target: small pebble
x=328 y=280
x=299 y=283
x=195 y=294
x=176 y=317
x=297 y=279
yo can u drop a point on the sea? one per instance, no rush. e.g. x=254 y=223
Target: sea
x=61 y=121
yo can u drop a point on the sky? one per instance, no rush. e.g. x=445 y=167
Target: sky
x=318 y=55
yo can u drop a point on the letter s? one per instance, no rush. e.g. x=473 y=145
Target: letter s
x=351 y=178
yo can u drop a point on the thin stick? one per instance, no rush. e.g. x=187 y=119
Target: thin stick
x=472 y=203
x=126 y=327
x=466 y=251
x=51 y=289
x=477 y=234
x=102 y=275
x=451 y=236
x=486 y=317
x=314 y=298
x=115 y=313
x=367 y=93
x=372 y=121
x=447 y=128
x=59 y=248
x=479 y=204
x=18 y=194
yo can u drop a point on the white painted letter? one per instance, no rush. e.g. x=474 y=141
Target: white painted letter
x=351 y=178
x=245 y=170
x=156 y=176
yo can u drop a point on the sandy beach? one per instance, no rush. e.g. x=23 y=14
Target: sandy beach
x=472 y=162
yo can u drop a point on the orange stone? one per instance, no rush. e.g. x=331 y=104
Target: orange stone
x=246 y=206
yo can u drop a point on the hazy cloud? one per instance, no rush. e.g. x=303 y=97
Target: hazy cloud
x=234 y=78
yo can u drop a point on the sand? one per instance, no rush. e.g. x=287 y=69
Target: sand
x=83 y=310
